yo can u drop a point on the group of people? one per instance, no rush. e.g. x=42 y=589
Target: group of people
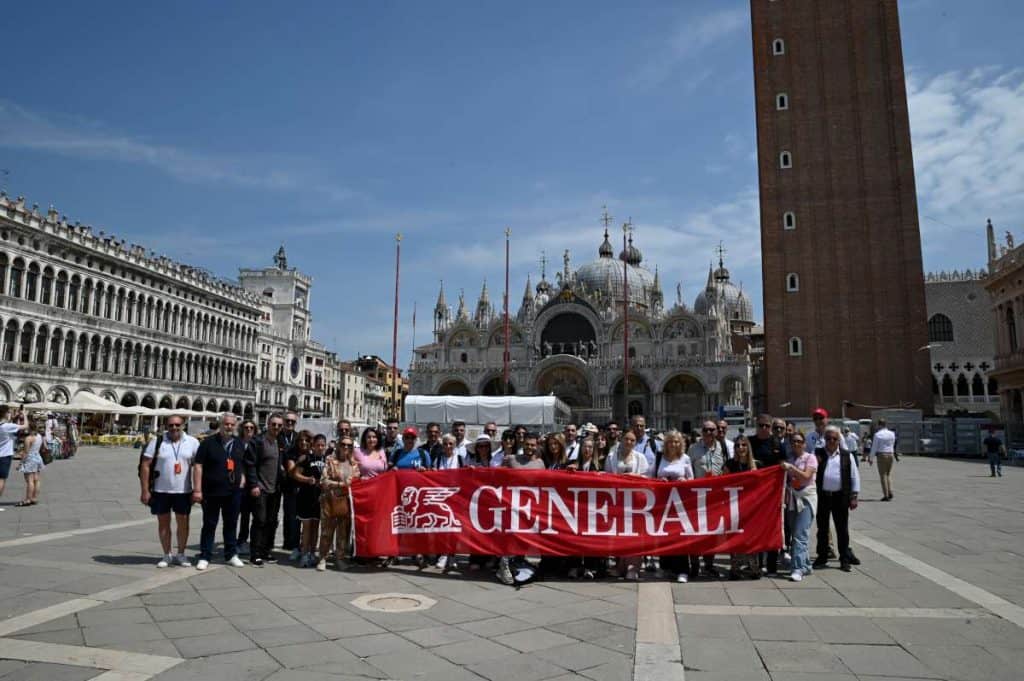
x=38 y=442
x=248 y=481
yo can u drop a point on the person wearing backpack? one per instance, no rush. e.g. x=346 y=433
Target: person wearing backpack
x=165 y=476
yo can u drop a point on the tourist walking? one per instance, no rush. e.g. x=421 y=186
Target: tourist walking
x=165 y=476
x=217 y=484
x=883 y=450
x=9 y=432
x=995 y=450
x=340 y=470
x=306 y=472
x=32 y=465
x=263 y=474
x=838 y=483
x=802 y=502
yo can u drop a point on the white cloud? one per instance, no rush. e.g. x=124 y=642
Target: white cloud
x=21 y=128
x=968 y=134
x=688 y=38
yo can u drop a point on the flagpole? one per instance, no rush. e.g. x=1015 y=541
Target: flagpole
x=625 y=323
x=395 y=411
x=413 y=359
x=505 y=358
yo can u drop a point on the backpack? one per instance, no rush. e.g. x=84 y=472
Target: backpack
x=153 y=472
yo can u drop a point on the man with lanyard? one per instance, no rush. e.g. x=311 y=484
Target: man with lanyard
x=8 y=434
x=263 y=474
x=644 y=443
x=572 y=445
x=286 y=442
x=838 y=483
x=883 y=446
x=217 y=480
x=166 y=464
x=391 y=435
x=723 y=439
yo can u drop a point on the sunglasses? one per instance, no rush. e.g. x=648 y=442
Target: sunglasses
x=248 y=427
x=709 y=430
x=290 y=422
x=174 y=425
x=764 y=425
x=778 y=427
x=346 y=445
x=798 y=442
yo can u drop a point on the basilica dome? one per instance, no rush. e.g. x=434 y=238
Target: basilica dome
x=737 y=305
x=604 y=275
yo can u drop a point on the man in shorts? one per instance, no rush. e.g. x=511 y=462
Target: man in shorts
x=8 y=434
x=169 y=458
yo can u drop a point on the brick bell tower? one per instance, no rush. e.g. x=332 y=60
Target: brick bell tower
x=844 y=303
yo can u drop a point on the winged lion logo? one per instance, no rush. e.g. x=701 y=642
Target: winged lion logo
x=423 y=510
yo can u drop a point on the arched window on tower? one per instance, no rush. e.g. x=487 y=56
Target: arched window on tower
x=792 y=282
x=785 y=160
x=778 y=47
x=789 y=220
x=940 y=329
x=796 y=347
x=782 y=101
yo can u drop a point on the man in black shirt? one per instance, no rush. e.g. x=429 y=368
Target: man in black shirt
x=767 y=450
x=286 y=441
x=263 y=472
x=994 y=449
x=217 y=473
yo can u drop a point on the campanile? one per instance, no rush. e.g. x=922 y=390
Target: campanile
x=844 y=304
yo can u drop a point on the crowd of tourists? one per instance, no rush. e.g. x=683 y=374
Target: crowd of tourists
x=249 y=481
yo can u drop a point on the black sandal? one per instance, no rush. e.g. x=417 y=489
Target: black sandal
x=22 y=504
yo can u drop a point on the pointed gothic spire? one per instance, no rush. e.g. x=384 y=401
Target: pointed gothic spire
x=710 y=286
x=528 y=293
x=440 y=297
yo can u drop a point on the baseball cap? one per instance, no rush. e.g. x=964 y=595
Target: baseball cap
x=410 y=431
x=819 y=411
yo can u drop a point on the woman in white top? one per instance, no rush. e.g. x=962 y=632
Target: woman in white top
x=673 y=464
x=627 y=461
x=32 y=465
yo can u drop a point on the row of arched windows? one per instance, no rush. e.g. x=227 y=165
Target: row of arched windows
x=47 y=286
x=29 y=343
x=964 y=387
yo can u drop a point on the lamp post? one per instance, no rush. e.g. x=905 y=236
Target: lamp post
x=395 y=411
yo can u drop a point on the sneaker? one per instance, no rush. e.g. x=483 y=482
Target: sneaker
x=295 y=555
x=257 y=562
x=820 y=562
x=682 y=578
x=243 y=549
x=421 y=561
x=796 y=576
x=844 y=566
x=321 y=566
x=202 y=564
x=181 y=560
x=442 y=563
x=235 y=561
x=165 y=561
x=589 y=574
x=505 y=572
x=632 y=574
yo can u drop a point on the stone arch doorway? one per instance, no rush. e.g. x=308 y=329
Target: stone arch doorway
x=496 y=387
x=453 y=386
x=568 y=384
x=684 y=398
x=636 y=401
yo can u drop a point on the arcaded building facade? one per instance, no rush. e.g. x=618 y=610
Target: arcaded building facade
x=84 y=310
x=844 y=301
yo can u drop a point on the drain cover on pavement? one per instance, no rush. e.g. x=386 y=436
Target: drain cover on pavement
x=393 y=602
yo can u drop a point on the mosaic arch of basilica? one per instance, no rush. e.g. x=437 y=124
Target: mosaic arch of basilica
x=567 y=340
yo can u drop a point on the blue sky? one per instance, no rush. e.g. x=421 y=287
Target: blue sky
x=212 y=134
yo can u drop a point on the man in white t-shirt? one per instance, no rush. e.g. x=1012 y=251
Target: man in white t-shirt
x=8 y=434
x=171 y=487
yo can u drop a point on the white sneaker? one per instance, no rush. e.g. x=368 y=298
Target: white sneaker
x=235 y=561
x=322 y=565
x=632 y=574
x=682 y=578
x=295 y=555
x=181 y=560
x=442 y=563
x=796 y=576
x=165 y=561
x=243 y=549
x=202 y=564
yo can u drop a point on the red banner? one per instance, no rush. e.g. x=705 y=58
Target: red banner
x=499 y=511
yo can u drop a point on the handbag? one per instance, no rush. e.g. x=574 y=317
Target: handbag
x=335 y=502
x=44 y=453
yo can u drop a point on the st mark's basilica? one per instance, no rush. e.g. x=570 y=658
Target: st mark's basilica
x=566 y=339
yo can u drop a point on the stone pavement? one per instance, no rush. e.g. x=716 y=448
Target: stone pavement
x=938 y=595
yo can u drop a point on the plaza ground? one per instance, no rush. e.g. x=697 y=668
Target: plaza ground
x=939 y=595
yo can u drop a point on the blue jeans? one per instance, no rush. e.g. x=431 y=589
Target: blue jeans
x=801 y=533
x=213 y=509
x=995 y=463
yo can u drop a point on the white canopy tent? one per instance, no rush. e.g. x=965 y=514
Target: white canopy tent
x=476 y=410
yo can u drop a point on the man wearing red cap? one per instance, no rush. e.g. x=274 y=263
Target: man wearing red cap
x=409 y=456
x=816 y=438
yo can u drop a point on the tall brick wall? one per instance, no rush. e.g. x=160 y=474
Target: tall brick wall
x=860 y=308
